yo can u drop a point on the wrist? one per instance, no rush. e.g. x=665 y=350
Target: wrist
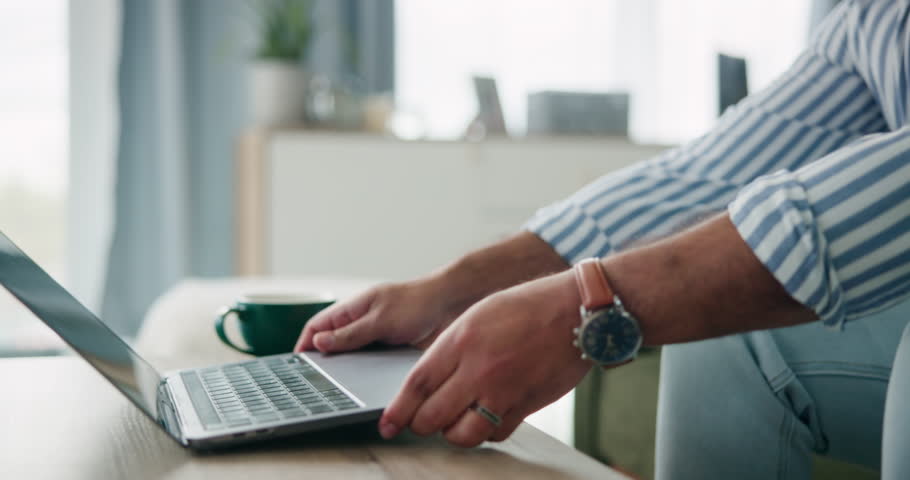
x=608 y=334
x=704 y=282
x=461 y=284
x=570 y=297
x=473 y=277
x=627 y=274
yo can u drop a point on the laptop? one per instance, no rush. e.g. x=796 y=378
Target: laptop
x=221 y=405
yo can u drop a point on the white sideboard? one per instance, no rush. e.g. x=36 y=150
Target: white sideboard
x=372 y=206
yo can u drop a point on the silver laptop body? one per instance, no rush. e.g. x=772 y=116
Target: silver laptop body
x=221 y=405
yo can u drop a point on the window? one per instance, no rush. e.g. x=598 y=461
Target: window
x=526 y=45
x=33 y=153
x=663 y=52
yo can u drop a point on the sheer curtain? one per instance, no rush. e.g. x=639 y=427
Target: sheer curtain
x=666 y=56
x=179 y=105
x=94 y=43
x=662 y=51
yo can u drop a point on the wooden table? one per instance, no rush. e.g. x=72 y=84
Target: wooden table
x=60 y=419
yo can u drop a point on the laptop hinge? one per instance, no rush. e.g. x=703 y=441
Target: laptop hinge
x=168 y=416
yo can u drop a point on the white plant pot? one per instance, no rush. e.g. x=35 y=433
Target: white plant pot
x=277 y=93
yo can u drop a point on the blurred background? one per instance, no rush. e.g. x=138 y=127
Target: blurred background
x=145 y=143
x=129 y=112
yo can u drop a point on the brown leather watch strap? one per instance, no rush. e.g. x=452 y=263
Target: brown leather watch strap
x=592 y=284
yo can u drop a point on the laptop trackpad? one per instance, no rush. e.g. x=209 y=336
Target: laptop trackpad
x=373 y=375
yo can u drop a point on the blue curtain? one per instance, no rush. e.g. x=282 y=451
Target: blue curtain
x=355 y=39
x=182 y=102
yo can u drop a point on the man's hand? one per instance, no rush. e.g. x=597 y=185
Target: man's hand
x=511 y=353
x=416 y=312
x=398 y=314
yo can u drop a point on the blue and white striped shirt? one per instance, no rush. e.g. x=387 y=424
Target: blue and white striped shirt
x=814 y=172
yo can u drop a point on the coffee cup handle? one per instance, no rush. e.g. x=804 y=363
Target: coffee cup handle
x=219 y=329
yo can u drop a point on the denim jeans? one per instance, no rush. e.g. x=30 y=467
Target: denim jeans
x=756 y=405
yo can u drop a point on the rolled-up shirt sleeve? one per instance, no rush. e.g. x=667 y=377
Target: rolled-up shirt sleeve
x=836 y=233
x=831 y=223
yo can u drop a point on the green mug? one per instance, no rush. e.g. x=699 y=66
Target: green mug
x=271 y=324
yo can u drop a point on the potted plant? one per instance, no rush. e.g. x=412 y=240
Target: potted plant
x=278 y=80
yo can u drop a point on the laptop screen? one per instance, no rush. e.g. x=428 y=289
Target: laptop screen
x=79 y=327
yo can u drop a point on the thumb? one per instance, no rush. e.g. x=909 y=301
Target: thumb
x=334 y=317
x=349 y=337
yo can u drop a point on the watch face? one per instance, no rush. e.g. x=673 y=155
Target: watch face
x=611 y=336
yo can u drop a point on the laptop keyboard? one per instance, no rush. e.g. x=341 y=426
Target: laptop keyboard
x=262 y=391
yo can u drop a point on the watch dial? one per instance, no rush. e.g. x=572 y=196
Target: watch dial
x=611 y=337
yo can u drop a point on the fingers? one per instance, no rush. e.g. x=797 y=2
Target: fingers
x=334 y=317
x=349 y=337
x=472 y=428
x=532 y=402
x=509 y=423
x=444 y=406
x=431 y=371
x=325 y=320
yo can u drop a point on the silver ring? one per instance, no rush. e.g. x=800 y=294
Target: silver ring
x=486 y=413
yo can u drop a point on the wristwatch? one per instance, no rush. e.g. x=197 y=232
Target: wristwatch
x=609 y=335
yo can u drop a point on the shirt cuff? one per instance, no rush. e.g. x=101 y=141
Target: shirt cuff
x=570 y=231
x=773 y=216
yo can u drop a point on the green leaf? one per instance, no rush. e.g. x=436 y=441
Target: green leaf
x=286 y=28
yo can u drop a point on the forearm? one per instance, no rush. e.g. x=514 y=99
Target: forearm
x=702 y=283
x=517 y=259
